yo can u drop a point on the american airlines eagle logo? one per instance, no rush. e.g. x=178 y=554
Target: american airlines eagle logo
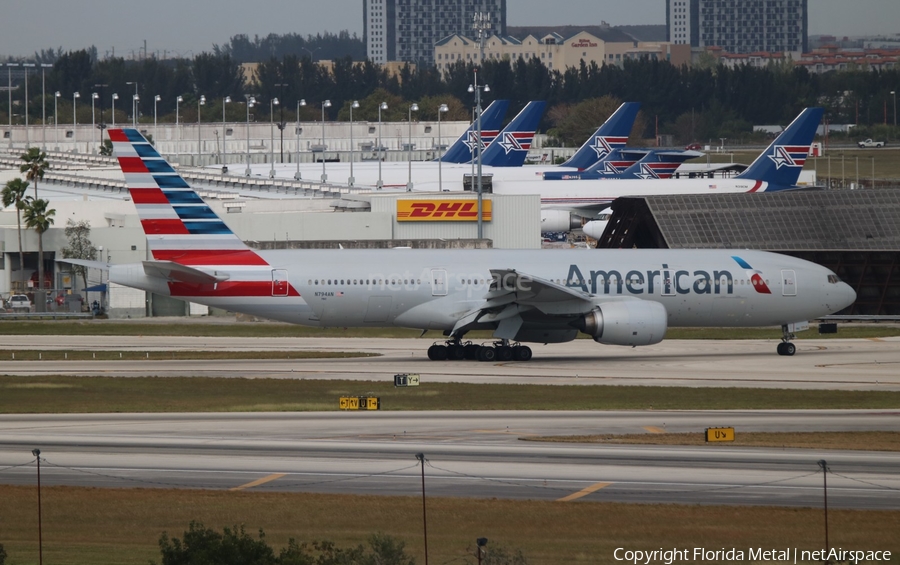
x=754 y=276
x=789 y=156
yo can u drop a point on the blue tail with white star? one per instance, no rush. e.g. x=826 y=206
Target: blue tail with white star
x=613 y=134
x=512 y=144
x=780 y=164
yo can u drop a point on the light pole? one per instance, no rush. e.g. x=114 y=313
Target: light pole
x=476 y=88
x=301 y=102
x=134 y=101
x=44 y=67
x=226 y=100
x=480 y=543
x=272 y=103
x=355 y=104
x=250 y=102
x=115 y=97
x=156 y=99
x=9 y=67
x=102 y=125
x=37 y=455
x=27 y=141
x=380 y=183
x=413 y=108
x=56 y=96
x=441 y=110
x=894 y=95
x=94 y=96
x=281 y=122
x=325 y=104
x=75 y=97
x=178 y=102
x=201 y=102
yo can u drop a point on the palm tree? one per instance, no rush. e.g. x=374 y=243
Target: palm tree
x=39 y=218
x=35 y=166
x=14 y=193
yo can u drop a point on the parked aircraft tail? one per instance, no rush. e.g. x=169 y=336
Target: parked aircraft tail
x=512 y=144
x=780 y=164
x=611 y=135
x=463 y=150
x=658 y=165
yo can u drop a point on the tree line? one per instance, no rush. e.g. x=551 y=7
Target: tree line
x=692 y=103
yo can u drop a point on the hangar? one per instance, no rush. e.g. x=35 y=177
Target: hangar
x=856 y=233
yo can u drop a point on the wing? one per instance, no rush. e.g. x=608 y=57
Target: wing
x=514 y=294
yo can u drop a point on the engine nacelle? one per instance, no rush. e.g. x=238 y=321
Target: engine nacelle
x=628 y=322
x=558 y=221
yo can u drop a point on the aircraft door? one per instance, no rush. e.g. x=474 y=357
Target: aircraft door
x=438 y=282
x=279 y=282
x=788 y=283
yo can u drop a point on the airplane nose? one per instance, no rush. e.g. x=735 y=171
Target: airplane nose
x=848 y=295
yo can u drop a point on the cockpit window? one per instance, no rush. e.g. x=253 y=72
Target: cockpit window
x=833 y=279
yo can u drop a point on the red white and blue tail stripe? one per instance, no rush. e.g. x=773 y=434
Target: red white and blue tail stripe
x=179 y=225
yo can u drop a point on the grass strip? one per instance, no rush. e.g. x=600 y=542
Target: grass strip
x=64 y=394
x=132 y=355
x=860 y=441
x=122 y=526
x=275 y=329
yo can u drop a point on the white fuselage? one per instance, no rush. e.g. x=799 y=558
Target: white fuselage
x=433 y=289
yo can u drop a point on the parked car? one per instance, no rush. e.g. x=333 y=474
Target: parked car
x=19 y=303
x=693 y=147
x=870 y=143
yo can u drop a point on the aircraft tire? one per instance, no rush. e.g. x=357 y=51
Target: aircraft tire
x=522 y=353
x=437 y=353
x=456 y=352
x=786 y=348
x=472 y=351
x=487 y=354
x=504 y=353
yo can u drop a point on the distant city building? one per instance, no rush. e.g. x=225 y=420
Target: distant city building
x=740 y=26
x=555 y=51
x=825 y=59
x=406 y=30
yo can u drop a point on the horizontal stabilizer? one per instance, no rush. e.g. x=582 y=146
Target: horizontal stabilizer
x=86 y=263
x=176 y=272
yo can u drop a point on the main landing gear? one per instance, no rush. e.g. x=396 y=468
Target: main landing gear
x=456 y=350
x=786 y=347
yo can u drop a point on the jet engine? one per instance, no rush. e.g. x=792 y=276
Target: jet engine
x=626 y=322
x=559 y=221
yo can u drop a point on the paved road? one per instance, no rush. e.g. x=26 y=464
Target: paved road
x=471 y=454
x=842 y=364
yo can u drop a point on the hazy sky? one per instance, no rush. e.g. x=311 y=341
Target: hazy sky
x=192 y=26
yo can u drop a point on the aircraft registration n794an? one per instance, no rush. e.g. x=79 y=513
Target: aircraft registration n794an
x=618 y=297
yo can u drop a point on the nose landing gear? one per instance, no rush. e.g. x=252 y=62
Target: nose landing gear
x=786 y=347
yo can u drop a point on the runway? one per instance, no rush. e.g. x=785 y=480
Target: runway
x=840 y=364
x=468 y=454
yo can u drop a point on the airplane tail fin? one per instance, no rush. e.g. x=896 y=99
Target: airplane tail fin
x=179 y=225
x=463 y=150
x=780 y=164
x=611 y=166
x=612 y=134
x=658 y=164
x=512 y=144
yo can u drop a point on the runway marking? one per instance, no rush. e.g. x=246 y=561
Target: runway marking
x=654 y=429
x=584 y=492
x=261 y=481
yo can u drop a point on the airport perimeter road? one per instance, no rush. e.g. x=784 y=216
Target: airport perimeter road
x=468 y=454
x=843 y=364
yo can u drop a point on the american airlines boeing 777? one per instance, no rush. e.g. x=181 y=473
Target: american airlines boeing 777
x=618 y=297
